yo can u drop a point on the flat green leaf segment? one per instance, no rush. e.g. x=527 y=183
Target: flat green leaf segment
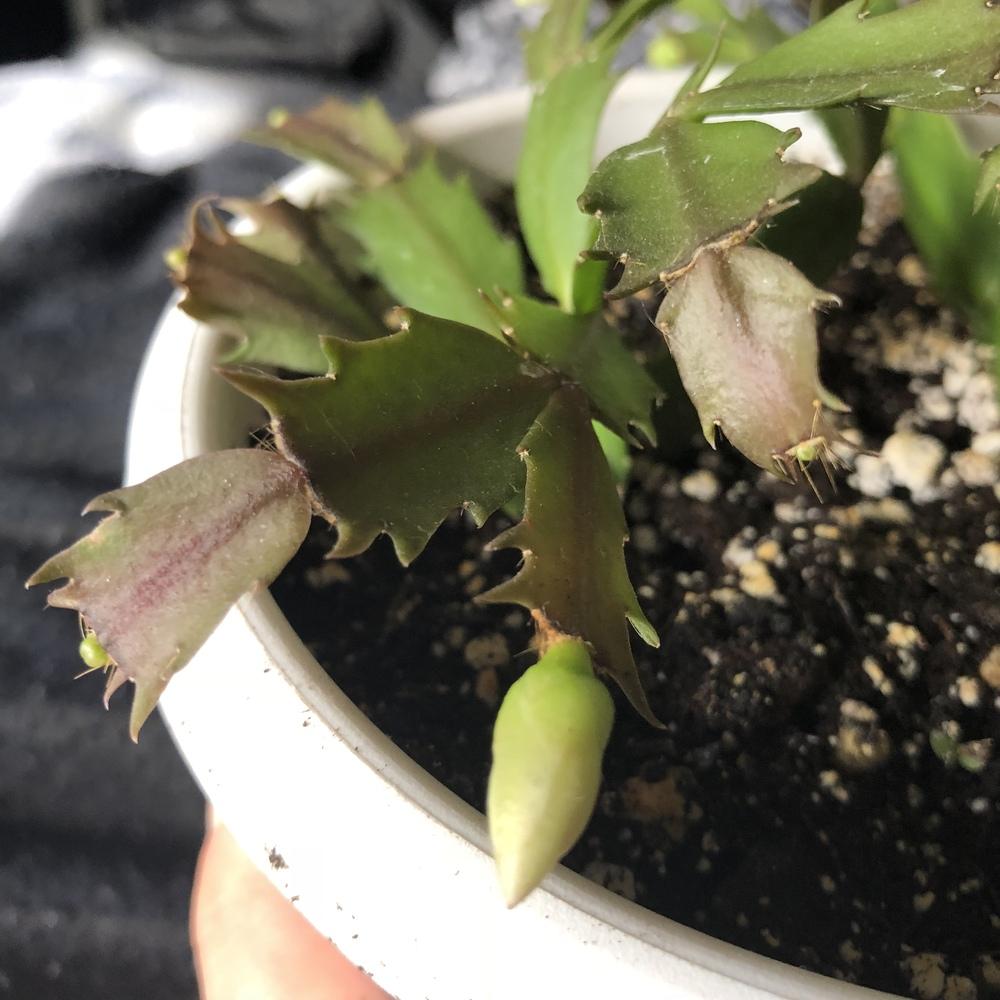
x=988 y=185
x=587 y=350
x=434 y=247
x=155 y=578
x=277 y=289
x=939 y=177
x=358 y=139
x=558 y=39
x=685 y=187
x=574 y=578
x=405 y=429
x=932 y=55
x=554 y=166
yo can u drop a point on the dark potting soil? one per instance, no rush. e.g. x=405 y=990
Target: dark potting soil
x=825 y=790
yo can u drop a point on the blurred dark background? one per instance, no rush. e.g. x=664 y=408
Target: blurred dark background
x=113 y=115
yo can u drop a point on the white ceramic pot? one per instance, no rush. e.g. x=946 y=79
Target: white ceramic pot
x=379 y=856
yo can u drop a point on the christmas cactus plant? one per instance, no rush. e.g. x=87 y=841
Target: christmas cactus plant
x=414 y=361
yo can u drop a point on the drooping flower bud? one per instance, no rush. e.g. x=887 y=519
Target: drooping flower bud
x=548 y=742
x=741 y=327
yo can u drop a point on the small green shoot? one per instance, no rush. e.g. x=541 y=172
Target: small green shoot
x=93 y=654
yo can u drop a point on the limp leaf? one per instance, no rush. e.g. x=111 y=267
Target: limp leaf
x=155 y=578
x=407 y=428
x=574 y=578
x=741 y=327
x=932 y=55
x=685 y=187
x=277 y=288
x=433 y=246
x=358 y=139
x=586 y=349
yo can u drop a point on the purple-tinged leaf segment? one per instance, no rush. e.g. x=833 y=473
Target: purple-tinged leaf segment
x=433 y=246
x=932 y=55
x=685 y=187
x=588 y=351
x=574 y=579
x=358 y=139
x=278 y=288
x=154 y=579
x=741 y=327
x=405 y=429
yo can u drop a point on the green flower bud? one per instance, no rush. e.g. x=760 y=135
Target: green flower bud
x=93 y=654
x=548 y=741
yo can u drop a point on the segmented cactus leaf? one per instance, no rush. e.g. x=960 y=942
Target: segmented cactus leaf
x=932 y=55
x=555 y=162
x=407 y=428
x=278 y=288
x=590 y=352
x=574 y=577
x=741 y=326
x=154 y=579
x=434 y=247
x=358 y=139
x=685 y=187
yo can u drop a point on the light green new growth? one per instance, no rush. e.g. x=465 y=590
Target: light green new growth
x=93 y=654
x=548 y=743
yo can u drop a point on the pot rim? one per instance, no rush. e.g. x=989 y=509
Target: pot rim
x=180 y=410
